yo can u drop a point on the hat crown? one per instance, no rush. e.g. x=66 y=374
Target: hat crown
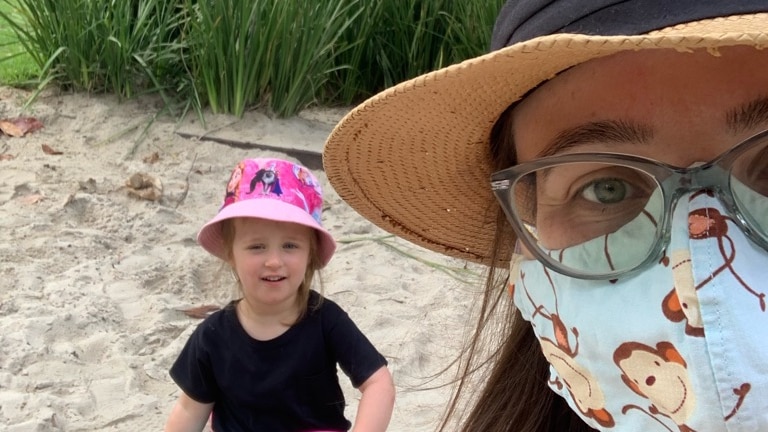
x=519 y=21
x=275 y=179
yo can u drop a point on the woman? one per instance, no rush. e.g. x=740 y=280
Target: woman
x=627 y=155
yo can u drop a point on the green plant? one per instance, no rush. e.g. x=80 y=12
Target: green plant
x=124 y=47
x=246 y=52
x=395 y=40
x=16 y=65
x=307 y=44
x=237 y=54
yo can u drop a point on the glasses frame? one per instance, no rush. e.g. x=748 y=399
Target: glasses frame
x=673 y=182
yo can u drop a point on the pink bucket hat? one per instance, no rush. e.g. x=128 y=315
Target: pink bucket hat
x=272 y=189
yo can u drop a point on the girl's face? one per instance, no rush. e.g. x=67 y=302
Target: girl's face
x=270 y=259
x=673 y=107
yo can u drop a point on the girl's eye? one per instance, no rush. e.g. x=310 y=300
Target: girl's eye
x=256 y=247
x=607 y=191
x=291 y=246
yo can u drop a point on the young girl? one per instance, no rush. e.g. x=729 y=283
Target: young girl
x=267 y=362
x=609 y=163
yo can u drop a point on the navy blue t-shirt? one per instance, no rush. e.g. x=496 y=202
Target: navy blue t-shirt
x=285 y=384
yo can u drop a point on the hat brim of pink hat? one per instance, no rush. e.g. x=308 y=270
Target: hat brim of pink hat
x=210 y=237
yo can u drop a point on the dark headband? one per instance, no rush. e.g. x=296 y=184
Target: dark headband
x=521 y=20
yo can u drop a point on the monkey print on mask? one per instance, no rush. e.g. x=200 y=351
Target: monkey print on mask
x=651 y=359
x=681 y=303
x=561 y=354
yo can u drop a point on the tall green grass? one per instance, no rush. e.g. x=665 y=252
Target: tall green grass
x=307 y=43
x=16 y=65
x=397 y=40
x=117 y=46
x=236 y=54
x=245 y=53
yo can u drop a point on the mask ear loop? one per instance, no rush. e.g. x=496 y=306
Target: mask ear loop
x=514 y=268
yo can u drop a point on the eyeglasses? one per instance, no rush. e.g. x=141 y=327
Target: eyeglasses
x=603 y=215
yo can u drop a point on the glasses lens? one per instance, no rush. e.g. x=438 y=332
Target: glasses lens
x=749 y=184
x=592 y=218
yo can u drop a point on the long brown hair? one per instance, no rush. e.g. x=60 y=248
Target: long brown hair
x=313 y=267
x=503 y=359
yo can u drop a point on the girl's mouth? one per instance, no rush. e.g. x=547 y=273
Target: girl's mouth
x=273 y=278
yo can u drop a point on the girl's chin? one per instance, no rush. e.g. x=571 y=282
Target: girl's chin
x=271 y=294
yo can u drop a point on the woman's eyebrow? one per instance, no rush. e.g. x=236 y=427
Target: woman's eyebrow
x=748 y=115
x=603 y=132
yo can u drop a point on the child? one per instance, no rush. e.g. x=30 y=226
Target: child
x=267 y=362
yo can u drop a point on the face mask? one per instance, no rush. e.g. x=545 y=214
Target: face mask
x=681 y=345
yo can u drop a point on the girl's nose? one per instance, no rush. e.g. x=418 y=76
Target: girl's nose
x=273 y=259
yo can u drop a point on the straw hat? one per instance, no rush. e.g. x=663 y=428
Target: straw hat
x=414 y=159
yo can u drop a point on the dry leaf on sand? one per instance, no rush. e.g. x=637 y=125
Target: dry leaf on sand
x=199 y=312
x=50 y=151
x=20 y=126
x=144 y=186
x=88 y=186
x=6 y=156
x=154 y=157
x=32 y=199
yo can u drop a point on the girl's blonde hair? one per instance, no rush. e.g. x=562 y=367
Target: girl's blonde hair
x=313 y=268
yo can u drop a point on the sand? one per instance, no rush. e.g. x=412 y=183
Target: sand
x=94 y=278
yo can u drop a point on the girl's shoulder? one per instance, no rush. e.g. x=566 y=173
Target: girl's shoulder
x=216 y=329
x=221 y=319
x=327 y=313
x=318 y=303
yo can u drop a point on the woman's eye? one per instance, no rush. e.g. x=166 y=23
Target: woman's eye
x=607 y=191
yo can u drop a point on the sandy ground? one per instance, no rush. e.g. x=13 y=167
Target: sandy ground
x=93 y=278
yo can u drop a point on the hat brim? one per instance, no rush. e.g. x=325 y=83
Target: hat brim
x=210 y=237
x=415 y=158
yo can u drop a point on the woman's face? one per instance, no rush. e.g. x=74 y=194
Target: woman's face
x=693 y=106
x=657 y=340
x=674 y=107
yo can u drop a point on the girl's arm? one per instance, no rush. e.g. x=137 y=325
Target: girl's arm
x=188 y=415
x=376 y=403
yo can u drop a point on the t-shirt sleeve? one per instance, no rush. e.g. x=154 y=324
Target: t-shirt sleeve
x=192 y=370
x=357 y=356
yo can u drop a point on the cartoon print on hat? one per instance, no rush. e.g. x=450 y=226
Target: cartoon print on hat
x=234 y=184
x=273 y=189
x=269 y=181
x=275 y=179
